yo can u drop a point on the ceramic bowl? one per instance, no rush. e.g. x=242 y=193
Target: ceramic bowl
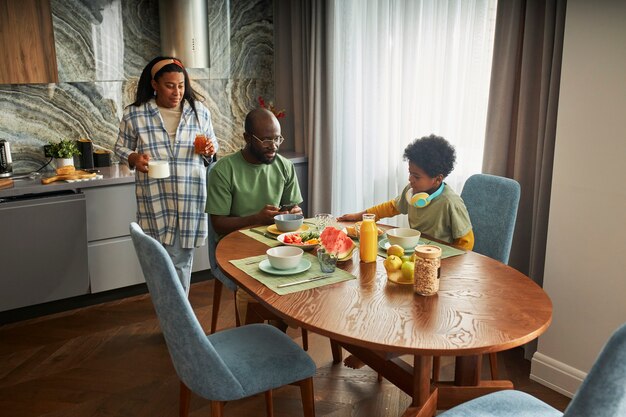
x=405 y=237
x=288 y=222
x=284 y=257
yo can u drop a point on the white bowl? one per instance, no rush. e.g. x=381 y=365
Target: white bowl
x=284 y=257
x=405 y=237
x=288 y=222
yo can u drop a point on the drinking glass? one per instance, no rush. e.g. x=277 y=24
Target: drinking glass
x=200 y=143
x=322 y=220
x=328 y=261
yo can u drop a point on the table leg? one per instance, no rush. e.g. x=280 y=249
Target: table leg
x=467 y=383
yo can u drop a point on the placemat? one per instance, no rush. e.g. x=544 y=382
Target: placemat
x=262 y=235
x=446 y=251
x=251 y=267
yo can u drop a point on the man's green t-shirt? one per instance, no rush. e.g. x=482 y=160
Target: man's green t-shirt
x=239 y=188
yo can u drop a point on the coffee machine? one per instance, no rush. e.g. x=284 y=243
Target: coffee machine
x=6 y=163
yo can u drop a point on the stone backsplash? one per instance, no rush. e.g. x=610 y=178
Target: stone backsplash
x=102 y=47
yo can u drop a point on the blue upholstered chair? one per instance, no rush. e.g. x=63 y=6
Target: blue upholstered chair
x=492 y=203
x=602 y=393
x=227 y=365
x=221 y=280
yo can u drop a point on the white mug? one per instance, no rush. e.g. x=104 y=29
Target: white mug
x=158 y=169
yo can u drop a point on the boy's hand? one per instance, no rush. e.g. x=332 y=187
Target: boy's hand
x=353 y=217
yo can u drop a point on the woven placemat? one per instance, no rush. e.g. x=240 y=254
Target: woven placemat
x=251 y=267
x=262 y=235
x=446 y=251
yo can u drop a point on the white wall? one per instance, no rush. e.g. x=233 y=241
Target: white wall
x=585 y=273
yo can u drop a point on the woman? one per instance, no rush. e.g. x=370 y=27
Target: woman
x=162 y=124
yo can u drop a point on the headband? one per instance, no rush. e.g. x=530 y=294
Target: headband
x=160 y=64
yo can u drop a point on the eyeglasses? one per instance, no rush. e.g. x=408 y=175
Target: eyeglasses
x=266 y=143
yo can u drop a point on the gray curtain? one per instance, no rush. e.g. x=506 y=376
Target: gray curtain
x=302 y=54
x=521 y=122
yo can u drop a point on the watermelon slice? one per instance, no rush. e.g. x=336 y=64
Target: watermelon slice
x=337 y=242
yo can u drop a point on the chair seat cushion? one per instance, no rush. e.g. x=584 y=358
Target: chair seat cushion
x=507 y=403
x=261 y=357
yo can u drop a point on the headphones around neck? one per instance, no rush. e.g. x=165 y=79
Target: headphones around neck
x=421 y=200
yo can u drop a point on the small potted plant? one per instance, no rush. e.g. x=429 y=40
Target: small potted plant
x=63 y=152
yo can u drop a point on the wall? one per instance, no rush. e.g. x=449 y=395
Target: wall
x=102 y=47
x=585 y=260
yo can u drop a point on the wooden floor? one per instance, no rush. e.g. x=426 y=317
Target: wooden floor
x=110 y=359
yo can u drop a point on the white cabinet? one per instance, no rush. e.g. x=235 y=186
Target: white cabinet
x=112 y=259
x=113 y=262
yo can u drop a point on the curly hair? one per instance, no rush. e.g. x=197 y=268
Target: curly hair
x=433 y=154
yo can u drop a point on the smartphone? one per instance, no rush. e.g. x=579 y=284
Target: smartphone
x=287 y=207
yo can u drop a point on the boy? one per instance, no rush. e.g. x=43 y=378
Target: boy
x=432 y=206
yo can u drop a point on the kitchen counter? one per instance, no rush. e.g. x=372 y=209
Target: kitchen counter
x=114 y=175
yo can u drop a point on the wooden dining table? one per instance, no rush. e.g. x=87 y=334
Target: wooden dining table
x=482 y=306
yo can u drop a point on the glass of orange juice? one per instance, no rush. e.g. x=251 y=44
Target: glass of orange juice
x=200 y=143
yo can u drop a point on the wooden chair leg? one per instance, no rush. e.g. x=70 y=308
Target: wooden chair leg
x=237 y=321
x=493 y=365
x=269 y=404
x=336 y=351
x=305 y=339
x=217 y=296
x=436 y=366
x=185 y=398
x=217 y=408
x=308 y=397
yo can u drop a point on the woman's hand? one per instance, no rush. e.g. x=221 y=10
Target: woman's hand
x=209 y=149
x=139 y=161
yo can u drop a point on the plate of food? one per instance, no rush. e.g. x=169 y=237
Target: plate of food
x=305 y=240
x=274 y=230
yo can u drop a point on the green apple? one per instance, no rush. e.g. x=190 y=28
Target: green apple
x=392 y=263
x=408 y=269
x=407 y=258
x=396 y=250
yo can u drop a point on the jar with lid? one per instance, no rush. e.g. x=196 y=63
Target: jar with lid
x=427 y=269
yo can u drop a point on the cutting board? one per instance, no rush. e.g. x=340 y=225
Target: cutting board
x=77 y=175
x=6 y=182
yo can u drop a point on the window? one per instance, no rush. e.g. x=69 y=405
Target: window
x=402 y=70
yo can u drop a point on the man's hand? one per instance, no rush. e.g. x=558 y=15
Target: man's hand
x=267 y=213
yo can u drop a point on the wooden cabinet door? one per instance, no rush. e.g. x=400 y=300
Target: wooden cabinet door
x=27 y=42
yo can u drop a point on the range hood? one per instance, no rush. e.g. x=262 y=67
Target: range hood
x=185 y=31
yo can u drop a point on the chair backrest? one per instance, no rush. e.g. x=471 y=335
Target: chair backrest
x=492 y=203
x=195 y=359
x=215 y=270
x=603 y=392
x=212 y=245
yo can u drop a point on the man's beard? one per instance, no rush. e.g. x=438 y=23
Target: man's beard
x=260 y=156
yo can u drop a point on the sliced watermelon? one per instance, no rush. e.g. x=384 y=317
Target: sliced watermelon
x=336 y=242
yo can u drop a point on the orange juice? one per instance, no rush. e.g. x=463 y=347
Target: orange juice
x=200 y=143
x=368 y=238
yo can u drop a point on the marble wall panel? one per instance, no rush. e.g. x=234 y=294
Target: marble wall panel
x=102 y=47
x=104 y=40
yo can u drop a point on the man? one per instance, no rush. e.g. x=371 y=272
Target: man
x=249 y=187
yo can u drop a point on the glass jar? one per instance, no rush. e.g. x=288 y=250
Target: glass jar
x=427 y=269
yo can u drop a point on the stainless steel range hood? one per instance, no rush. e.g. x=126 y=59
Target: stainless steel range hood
x=185 y=31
